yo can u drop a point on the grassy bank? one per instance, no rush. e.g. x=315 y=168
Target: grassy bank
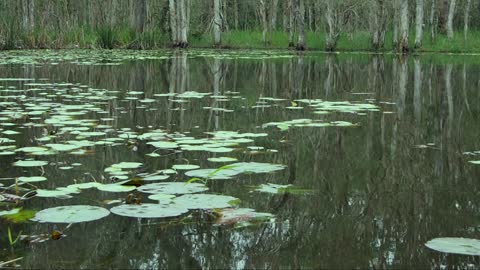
x=152 y=39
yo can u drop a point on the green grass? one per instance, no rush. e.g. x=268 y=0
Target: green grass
x=124 y=37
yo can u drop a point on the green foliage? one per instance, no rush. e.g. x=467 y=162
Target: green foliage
x=20 y=217
x=12 y=241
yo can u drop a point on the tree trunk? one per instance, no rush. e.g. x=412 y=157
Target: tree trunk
x=432 y=20
x=451 y=13
x=235 y=13
x=217 y=23
x=291 y=8
x=396 y=21
x=263 y=15
x=418 y=24
x=28 y=19
x=140 y=12
x=273 y=21
x=183 y=24
x=377 y=24
x=403 y=27
x=173 y=21
x=332 y=33
x=466 y=19
x=301 y=25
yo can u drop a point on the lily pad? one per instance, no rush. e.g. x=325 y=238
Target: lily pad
x=222 y=159
x=71 y=214
x=149 y=210
x=29 y=179
x=205 y=201
x=455 y=245
x=127 y=165
x=115 y=188
x=173 y=188
x=156 y=177
x=30 y=163
x=185 y=167
x=162 y=198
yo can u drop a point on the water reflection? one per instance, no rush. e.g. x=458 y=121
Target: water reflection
x=381 y=190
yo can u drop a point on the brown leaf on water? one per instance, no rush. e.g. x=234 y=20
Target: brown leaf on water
x=57 y=235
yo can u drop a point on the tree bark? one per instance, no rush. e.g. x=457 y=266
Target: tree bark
x=173 y=21
x=217 y=23
x=332 y=27
x=377 y=24
x=418 y=24
x=301 y=25
x=291 y=8
x=235 y=14
x=263 y=15
x=451 y=13
x=273 y=21
x=140 y=12
x=466 y=19
x=403 y=27
x=183 y=43
x=432 y=20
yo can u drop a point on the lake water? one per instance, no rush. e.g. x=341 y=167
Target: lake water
x=371 y=151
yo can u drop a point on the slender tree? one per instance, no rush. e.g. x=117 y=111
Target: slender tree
x=466 y=18
x=451 y=13
x=301 y=25
x=419 y=23
x=217 y=23
x=402 y=45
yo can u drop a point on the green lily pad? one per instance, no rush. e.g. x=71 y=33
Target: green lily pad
x=29 y=179
x=164 y=144
x=156 y=177
x=71 y=214
x=162 y=198
x=455 y=245
x=149 y=210
x=205 y=201
x=63 y=147
x=185 y=167
x=30 y=163
x=229 y=171
x=173 y=188
x=115 y=188
x=127 y=165
x=222 y=159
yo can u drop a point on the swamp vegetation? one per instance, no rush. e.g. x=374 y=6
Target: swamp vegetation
x=238 y=159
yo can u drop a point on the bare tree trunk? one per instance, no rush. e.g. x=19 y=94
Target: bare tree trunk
x=217 y=23
x=332 y=27
x=235 y=13
x=28 y=19
x=173 y=21
x=432 y=20
x=291 y=8
x=396 y=21
x=273 y=21
x=466 y=19
x=140 y=12
x=451 y=13
x=377 y=24
x=403 y=27
x=301 y=25
x=183 y=24
x=263 y=14
x=418 y=24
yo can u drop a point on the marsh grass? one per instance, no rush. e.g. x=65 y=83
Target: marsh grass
x=127 y=38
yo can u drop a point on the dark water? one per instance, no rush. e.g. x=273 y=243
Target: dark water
x=377 y=191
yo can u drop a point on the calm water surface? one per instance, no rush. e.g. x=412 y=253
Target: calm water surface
x=368 y=195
